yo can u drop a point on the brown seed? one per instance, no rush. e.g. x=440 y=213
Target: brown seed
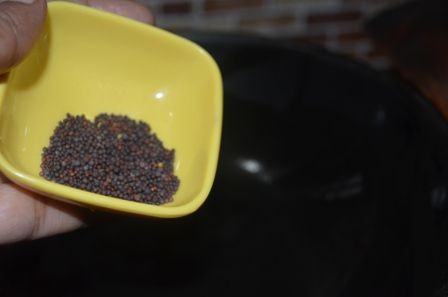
x=113 y=155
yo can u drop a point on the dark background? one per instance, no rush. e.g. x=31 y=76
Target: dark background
x=349 y=198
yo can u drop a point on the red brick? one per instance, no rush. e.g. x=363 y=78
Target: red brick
x=176 y=8
x=376 y=53
x=352 y=36
x=311 y=39
x=280 y=20
x=388 y=2
x=215 y=5
x=341 y=16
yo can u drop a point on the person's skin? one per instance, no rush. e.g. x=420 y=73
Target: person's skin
x=23 y=214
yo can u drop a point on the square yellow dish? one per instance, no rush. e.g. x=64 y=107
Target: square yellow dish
x=89 y=62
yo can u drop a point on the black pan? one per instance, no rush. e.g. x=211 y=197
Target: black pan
x=332 y=182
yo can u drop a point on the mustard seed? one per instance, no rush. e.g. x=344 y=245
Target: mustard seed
x=114 y=156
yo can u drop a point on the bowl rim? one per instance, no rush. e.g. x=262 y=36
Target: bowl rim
x=89 y=199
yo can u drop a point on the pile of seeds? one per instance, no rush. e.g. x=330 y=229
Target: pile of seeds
x=114 y=156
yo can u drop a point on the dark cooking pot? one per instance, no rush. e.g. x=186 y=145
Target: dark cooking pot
x=332 y=181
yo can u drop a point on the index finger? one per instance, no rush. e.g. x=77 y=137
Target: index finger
x=127 y=8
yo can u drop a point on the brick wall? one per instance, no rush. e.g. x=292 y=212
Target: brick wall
x=335 y=24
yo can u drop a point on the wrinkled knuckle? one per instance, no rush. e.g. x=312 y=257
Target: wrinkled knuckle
x=39 y=218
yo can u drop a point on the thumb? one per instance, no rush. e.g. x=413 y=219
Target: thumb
x=20 y=24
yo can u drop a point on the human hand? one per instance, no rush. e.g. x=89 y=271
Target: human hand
x=25 y=215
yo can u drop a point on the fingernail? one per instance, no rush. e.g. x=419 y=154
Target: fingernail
x=19 y=1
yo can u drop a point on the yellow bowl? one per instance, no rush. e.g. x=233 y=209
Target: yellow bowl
x=91 y=62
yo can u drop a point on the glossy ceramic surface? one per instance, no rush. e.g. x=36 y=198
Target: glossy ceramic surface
x=90 y=62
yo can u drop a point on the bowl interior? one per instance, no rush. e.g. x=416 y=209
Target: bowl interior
x=90 y=62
